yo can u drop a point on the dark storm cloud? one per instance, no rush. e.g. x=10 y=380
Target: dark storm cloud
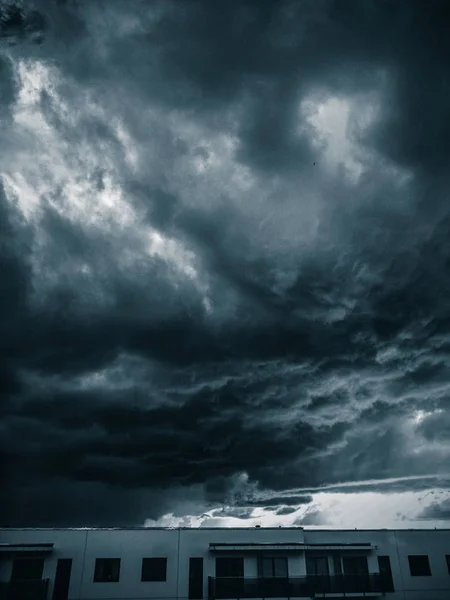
x=287 y=500
x=19 y=22
x=14 y=290
x=437 y=511
x=410 y=483
x=285 y=510
x=90 y=504
x=8 y=88
x=313 y=517
x=289 y=329
x=236 y=513
x=436 y=427
x=275 y=54
x=117 y=441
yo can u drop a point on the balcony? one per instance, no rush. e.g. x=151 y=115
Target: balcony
x=308 y=586
x=30 y=589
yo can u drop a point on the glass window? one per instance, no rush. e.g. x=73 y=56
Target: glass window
x=229 y=567
x=62 y=579
x=27 y=568
x=195 y=578
x=107 y=570
x=384 y=566
x=317 y=565
x=154 y=569
x=355 y=565
x=419 y=565
x=337 y=564
x=274 y=567
x=280 y=567
x=447 y=558
x=267 y=567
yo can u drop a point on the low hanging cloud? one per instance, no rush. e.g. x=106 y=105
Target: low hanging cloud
x=437 y=511
x=223 y=261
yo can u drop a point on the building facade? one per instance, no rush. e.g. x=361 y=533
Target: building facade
x=223 y=563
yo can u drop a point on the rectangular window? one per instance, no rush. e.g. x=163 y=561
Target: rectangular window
x=274 y=567
x=419 y=565
x=62 y=579
x=384 y=566
x=337 y=564
x=355 y=565
x=447 y=558
x=230 y=567
x=27 y=568
x=195 y=578
x=317 y=565
x=107 y=570
x=154 y=569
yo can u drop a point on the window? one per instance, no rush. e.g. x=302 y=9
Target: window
x=107 y=570
x=317 y=565
x=154 y=569
x=230 y=567
x=62 y=579
x=27 y=568
x=274 y=567
x=419 y=565
x=195 y=578
x=337 y=564
x=447 y=558
x=384 y=566
x=355 y=565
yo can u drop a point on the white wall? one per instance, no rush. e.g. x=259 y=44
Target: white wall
x=436 y=544
x=131 y=546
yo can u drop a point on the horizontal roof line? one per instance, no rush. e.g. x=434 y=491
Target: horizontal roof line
x=6 y=529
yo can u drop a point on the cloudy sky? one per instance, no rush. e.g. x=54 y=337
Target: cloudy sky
x=225 y=262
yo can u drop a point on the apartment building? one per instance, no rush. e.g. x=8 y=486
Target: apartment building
x=223 y=563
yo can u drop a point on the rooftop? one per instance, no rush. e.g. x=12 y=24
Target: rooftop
x=6 y=528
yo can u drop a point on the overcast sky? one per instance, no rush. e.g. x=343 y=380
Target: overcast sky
x=225 y=262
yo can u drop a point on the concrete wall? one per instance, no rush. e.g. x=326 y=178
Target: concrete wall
x=436 y=544
x=131 y=546
x=179 y=545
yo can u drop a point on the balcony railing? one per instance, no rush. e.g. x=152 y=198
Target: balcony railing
x=30 y=589
x=294 y=587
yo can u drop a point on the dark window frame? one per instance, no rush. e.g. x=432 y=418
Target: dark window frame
x=272 y=560
x=61 y=584
x=154 y=569
x=39 y=571
x=337 y=564
x=230 y=559
x=315 y=559
x=362 y=559
x=414 y=565
x=447 y=558
x=196 y=577
x=99 y=575
x=385 y=570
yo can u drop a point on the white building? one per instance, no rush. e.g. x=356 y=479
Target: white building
x=157 y=563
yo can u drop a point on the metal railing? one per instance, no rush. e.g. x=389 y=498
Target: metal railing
x=30 y=589
x=294 y=587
